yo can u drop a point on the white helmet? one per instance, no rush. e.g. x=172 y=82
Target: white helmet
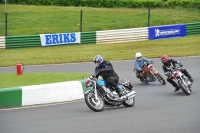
x=138 y=56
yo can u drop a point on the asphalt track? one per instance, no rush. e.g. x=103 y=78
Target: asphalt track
x=157 y=110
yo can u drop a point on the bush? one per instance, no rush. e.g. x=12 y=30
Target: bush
x=112 y=3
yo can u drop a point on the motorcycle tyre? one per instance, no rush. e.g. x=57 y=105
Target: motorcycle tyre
x=91 y=106
x=129 y=104
x=184 y=90
x=160 y=77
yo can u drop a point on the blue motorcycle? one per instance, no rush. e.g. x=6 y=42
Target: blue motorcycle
x=100 y=93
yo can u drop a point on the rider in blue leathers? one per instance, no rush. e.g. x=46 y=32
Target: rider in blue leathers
x=138 y=63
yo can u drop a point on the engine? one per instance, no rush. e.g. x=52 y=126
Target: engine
x=102 y=90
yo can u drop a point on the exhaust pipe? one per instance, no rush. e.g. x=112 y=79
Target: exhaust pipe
x=125 y=97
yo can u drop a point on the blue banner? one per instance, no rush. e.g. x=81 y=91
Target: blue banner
x=168 y=31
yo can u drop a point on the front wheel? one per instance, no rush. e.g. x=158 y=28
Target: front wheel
x=185 y=88
x=94 y=104
x=160 y=79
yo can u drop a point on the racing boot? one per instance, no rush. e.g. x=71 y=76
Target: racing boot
x=118 y=90
x=189 y=76
x=176 y=89
x=141 y=79
x=145 y=80
x=191 y=79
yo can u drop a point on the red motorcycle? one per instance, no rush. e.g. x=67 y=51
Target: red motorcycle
x=180 y=79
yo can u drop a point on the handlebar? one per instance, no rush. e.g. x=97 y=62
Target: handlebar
x=147 y=63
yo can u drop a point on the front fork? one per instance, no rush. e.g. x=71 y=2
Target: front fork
x=95 y=91
x=154 y=72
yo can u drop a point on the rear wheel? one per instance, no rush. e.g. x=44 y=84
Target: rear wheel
x=160 y=79
x=129 y=102
x=94 y=104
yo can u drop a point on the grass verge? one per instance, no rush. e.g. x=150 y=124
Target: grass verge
x=29 y=78
x=31 y=20
x=185 y=46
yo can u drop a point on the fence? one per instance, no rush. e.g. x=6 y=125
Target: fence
x=22 y=41
x=98 y=37
x=193 y=28
x=123 y=35
x=2 y=42
x=88 y=37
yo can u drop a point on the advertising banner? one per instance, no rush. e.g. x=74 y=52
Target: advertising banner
x=59 y=39
x=168 y=31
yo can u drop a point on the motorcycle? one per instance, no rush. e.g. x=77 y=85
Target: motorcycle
x=101 y=94
x=180 y=79
x=150 y=74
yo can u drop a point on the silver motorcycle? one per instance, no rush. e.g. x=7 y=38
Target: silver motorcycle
x=180 y=79
x=101 y=94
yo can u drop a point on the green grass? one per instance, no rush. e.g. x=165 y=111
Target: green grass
x=8 y=80
x=186 y=46
x=30 y=20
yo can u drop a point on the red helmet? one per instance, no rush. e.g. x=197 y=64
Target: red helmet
x=165 y=59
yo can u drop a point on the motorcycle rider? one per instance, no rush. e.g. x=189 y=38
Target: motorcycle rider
x=167 y=62
x=138 y=63
x=105 y=70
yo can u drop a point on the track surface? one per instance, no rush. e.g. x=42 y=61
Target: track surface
x=157 y=110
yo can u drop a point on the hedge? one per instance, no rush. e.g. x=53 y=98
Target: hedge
x=112 y=3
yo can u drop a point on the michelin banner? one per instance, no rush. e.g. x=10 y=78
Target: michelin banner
x=59 y=39
x=168 y=31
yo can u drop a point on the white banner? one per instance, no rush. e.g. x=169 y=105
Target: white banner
x=60 y=38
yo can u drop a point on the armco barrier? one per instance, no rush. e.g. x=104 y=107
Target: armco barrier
x=2 y=42
x=42 y=94
x=96 y=37
x=122 y=35
x=22 y=41
x=88 y=37
x=193 y=28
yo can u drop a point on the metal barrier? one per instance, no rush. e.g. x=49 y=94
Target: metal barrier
x=88 y=37
x=122 y=35
x=23 y=41
x=193 y=28
x=2 y=42
x=96 y=37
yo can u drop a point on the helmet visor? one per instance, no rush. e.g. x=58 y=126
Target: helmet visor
x=165 y=61
x=139 y=58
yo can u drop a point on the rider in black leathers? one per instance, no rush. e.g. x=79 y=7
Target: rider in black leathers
x=106 y=71
x=167 y=62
